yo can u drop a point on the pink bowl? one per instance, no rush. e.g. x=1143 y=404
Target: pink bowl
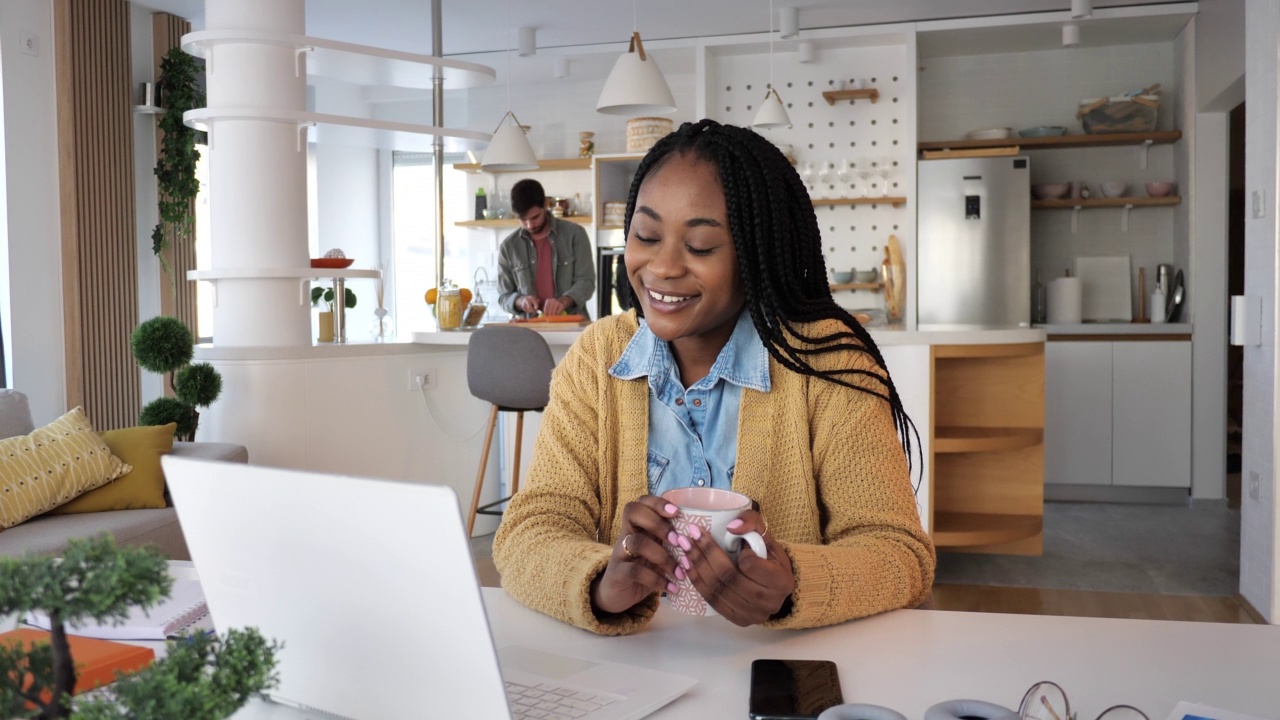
x=1049 y=191
x=1159 y=189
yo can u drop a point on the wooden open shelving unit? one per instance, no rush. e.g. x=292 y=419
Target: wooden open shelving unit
x=543 y=166
x=836 y=287
x=834 y=96
x=513 y=222
x=987 y=448
x=1118 y=202
x=1162 y=137
x=883 y=200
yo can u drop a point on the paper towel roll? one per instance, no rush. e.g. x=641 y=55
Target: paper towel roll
x=1066 y=297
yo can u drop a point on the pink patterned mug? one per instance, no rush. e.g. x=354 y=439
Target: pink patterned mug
x=711 y=510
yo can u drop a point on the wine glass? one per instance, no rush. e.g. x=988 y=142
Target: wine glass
x=865 y=171
x=885 y=168
x=827 y=176
x=844 y=172
x=806 y=174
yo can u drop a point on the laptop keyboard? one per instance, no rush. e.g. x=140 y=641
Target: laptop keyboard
x=546 y=701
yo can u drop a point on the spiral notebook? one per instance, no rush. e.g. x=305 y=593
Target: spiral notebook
x=183 y=611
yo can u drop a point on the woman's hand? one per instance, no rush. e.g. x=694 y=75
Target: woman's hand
x=753 y=589
x=639 y=566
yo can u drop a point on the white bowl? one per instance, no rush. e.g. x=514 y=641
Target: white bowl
x=1112 y=188
x=989 y=134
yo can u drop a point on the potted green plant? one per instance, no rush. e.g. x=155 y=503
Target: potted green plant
x=319 y=294
x=178 y=89
x=202 y=677
x=164 y=345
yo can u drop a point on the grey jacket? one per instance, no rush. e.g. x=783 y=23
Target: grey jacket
x=575 y=273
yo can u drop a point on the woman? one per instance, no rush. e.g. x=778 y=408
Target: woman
x=736 y=369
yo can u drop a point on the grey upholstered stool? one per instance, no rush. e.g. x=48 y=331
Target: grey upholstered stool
x=509 y=367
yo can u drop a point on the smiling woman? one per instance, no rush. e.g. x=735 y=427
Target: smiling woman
x=736 y=370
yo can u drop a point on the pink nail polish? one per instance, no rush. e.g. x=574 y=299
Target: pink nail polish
x=684 y=563
x=684 y=542
x=673 y=538
x=679 y=573
x=695 y=531
x=673 y=588
x=735 y=524
x=671 y=509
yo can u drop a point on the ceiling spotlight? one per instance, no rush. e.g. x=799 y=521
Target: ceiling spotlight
x=805 y=52
x=1081 y=9
x=788 y=22
x=1070 y=35
x=528 y=42
x=562 y=67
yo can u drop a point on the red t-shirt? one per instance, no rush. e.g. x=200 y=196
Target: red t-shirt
x=544 y=272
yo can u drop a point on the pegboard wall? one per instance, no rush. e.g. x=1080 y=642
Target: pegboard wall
x=857 y=136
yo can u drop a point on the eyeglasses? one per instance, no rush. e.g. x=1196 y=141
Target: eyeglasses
x=1048 y=701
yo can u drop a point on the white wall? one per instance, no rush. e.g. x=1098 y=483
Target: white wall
x=34 y=273
x=1220 y=61
x=1257 y=517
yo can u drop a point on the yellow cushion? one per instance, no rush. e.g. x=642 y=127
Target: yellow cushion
x=140 y=447
x=52 y=465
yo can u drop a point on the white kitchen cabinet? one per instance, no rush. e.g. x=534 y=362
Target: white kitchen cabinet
x=1077 y=413
x=1151 y=414
x=1118 y=413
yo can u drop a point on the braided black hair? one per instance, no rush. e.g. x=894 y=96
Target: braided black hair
x=779 y=247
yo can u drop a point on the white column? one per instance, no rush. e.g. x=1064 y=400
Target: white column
x=258 y=176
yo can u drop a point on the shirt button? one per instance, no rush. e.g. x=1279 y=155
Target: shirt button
x=701 y=482
x=680 y=401
x=697 y=403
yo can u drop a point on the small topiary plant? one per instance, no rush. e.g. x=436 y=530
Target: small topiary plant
x=165 y=345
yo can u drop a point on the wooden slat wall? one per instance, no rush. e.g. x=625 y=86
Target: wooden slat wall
x=178 y=295
x=96 y=187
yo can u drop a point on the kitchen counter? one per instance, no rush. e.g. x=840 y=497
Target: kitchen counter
x=1116 y=329
x=883 y=335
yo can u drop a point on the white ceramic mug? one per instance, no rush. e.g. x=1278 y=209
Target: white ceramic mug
x=711 y=510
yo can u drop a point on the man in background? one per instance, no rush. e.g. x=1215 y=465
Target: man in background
x=546 y=264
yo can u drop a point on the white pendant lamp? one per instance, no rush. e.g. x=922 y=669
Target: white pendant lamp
x=509 y=148
x=636 y=86
x=772 y=113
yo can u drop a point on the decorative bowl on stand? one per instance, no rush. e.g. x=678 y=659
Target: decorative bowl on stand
x=332 y=263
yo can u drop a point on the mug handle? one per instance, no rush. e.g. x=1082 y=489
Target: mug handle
x=753 y=538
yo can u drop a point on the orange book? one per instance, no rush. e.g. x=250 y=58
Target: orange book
x=96 y=660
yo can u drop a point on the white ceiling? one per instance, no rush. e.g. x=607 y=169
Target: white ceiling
x=473 y=26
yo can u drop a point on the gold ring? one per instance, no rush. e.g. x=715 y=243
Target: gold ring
x=626 y=546
x=765 y=531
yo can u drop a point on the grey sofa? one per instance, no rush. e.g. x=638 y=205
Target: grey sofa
x=50 y=533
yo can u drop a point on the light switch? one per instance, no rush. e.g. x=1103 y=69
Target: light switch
x=1259 y=204
x=1246 y=320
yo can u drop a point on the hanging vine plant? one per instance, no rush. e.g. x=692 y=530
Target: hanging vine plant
x=179 y=91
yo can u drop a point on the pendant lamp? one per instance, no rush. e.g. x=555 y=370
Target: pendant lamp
x=509 y=149
x=635 y=86
x=772 y=113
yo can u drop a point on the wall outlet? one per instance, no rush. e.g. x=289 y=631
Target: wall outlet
x=423 y=379
x=1255 y=486
x=28 y=44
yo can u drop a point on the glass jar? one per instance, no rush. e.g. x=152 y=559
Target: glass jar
x=449 y=308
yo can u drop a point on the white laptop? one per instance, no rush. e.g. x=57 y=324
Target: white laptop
x=370 y=586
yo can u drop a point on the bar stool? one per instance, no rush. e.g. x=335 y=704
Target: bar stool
x=509 y=367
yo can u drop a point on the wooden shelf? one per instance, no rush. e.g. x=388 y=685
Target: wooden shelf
x=1119 y=202
x=956 y=529
x=610 y=227
x=835 y=96
x=543 y=166
x=1060 y=141
x=890 y=200
x=513 y=222
x=835 y=287
x=992 y=350
x=976 y=439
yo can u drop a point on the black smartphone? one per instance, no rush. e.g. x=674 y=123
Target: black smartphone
x=793 y=689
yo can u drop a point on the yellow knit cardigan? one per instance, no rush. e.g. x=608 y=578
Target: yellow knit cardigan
x=822 y=461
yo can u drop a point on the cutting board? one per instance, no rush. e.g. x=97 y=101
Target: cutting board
x=570 y=322
x=1107 y=296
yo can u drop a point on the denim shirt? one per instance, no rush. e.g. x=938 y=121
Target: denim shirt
x=693 y=433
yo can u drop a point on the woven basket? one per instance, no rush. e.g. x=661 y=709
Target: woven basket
x=644 y=132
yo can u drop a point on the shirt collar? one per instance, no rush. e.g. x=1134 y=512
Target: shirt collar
x=551 y=228
x=742 y=361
